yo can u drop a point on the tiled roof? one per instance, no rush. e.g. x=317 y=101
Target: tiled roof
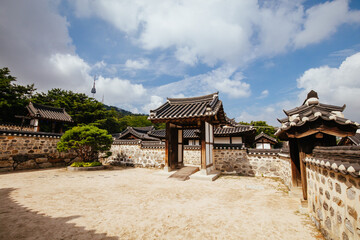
x=185 y=108
x=47 y=112
x=161 y=133
x=187 y=133
x=231 y=131
x=344 y=159
x=218 y=132
x=354 y=139
x=139 y=132
x=311 y=111
x=265 y=136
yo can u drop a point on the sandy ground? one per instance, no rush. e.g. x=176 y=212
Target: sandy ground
x=139 y=204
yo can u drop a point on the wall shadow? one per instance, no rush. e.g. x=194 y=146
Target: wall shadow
x=19 y=222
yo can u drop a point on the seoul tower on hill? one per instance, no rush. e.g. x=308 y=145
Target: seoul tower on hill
x=93 y=90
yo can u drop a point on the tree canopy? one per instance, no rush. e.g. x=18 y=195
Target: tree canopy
x=13 y=97
x=262 y=126
x=82 y=109
x=87 y=141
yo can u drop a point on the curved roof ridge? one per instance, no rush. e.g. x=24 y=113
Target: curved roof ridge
x=46 y=107
x=204 y=98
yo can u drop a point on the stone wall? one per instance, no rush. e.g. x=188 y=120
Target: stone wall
x=192 y=155
x=253 y=162
x=147 y=154
x=30 y=150
x=334 y=197
x=131 y=153
x=16 y=127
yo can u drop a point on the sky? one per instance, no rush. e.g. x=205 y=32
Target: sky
x=261 y=56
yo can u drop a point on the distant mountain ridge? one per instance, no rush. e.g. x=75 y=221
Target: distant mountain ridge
x=120 y=110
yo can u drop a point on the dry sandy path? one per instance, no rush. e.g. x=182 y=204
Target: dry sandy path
x=139 y=204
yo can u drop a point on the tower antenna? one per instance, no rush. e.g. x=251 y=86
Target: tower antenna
x=93 y=90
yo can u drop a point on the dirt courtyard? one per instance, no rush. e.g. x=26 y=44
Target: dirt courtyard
x=140 y=204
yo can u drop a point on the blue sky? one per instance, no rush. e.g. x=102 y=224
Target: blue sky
x=262 y=56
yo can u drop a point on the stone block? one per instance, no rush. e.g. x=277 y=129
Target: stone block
x=330 y=184
x=352 y=212
x=41 y=160
x=27 y=165
x=349 y=225
x=4 y=164
x=328 y=223
x=325 y=206
x=339 y=218
x=45 y=165
x=338 y=188
x=6 y=169
x=338 y=201
x=327 y=194
x=350 y=193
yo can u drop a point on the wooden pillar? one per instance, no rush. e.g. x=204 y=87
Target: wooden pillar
x=209 y=141
x=203 y=146
x=167 y=138
x=302 y=156
x=180 y=148
x=36 y=125
x=53 y=127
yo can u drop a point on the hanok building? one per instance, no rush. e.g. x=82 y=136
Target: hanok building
x=226 y=135
x=201 y=113
x=45 y=114
x=141 y=133
x=264 y=141
x=312 y=124
x=350 y=140
x=234 y=135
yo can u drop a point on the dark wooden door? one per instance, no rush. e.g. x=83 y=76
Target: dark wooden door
x=173 y=147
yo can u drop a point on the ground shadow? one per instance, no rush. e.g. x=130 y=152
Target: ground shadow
x=19 y=222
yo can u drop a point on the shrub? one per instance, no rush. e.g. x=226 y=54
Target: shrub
x=87 y=141
x=86 y=164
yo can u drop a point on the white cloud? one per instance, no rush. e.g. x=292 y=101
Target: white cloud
x=155 y=102
x=121 y=91
x=264 y=94
x=323 y=20
x=233 y=32
x=224 y=79
x=335 y=86
x=137 y=64
x=32 y=34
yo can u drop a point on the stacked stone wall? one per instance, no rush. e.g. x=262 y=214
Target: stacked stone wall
x=30 y=150
x=253 y=163
x=192 y=155
x=133 y=153
x=334 y=202
x=16 y=127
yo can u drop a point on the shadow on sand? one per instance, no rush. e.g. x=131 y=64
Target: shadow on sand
x=19 y=222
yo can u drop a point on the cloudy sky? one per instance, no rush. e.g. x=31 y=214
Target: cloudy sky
x=262 y=56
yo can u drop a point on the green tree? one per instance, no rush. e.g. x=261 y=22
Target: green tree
x=82 y=109
x=13 y=97
x=262 y=126
x=87 y=141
